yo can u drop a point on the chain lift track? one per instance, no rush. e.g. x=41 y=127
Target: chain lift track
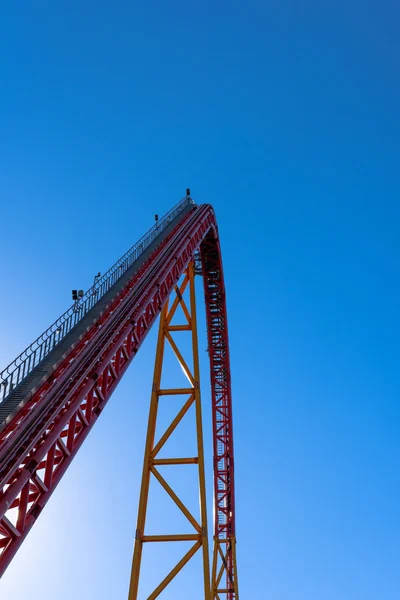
x=54 y=392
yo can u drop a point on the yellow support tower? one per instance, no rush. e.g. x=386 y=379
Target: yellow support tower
x=152 y=449
x=224 y=550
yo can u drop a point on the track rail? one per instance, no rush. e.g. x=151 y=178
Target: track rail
x=34 y=354
x=40 y=442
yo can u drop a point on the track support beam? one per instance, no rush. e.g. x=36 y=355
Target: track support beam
x=166 y=331
x=224 y=568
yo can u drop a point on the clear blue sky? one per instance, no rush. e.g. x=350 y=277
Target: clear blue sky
x=285 y=116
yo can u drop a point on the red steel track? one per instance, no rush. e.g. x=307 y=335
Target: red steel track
x=40 y=442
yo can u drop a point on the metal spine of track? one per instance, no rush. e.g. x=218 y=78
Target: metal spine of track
x=40 y=442
x=221 y=395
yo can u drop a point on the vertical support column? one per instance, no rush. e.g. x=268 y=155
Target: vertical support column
x=236 y=582
x=224 y=578
x=199 y=427
x=151 y=430
x=167 y=330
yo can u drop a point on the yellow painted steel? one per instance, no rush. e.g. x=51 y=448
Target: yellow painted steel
x=200 y=530
x=219 y=568
x=175 y=391
x=144 y=491
x=175 y=461
x=199 y=428
x=175 y=571
x=233 y=544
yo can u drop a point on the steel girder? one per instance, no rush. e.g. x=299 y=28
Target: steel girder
x=38 y=445
x=188 y=396
x=224 y=561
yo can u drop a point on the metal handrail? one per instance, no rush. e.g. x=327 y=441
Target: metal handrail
x=30 y=358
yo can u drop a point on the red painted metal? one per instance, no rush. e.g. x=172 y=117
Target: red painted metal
x=221 y=394
x=40 y=442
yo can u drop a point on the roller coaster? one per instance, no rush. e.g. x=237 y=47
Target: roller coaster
x=52 y=394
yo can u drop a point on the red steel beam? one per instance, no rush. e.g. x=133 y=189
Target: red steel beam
x=39 y=444
x=221 y=396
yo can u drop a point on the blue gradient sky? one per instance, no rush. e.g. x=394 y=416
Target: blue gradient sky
x=284 y=116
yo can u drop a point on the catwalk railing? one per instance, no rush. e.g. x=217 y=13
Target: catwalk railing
x=33 y=355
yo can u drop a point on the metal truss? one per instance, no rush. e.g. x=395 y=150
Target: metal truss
x=41 y=440
x=189 y=395
x=37 y=447
x=224 y=572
